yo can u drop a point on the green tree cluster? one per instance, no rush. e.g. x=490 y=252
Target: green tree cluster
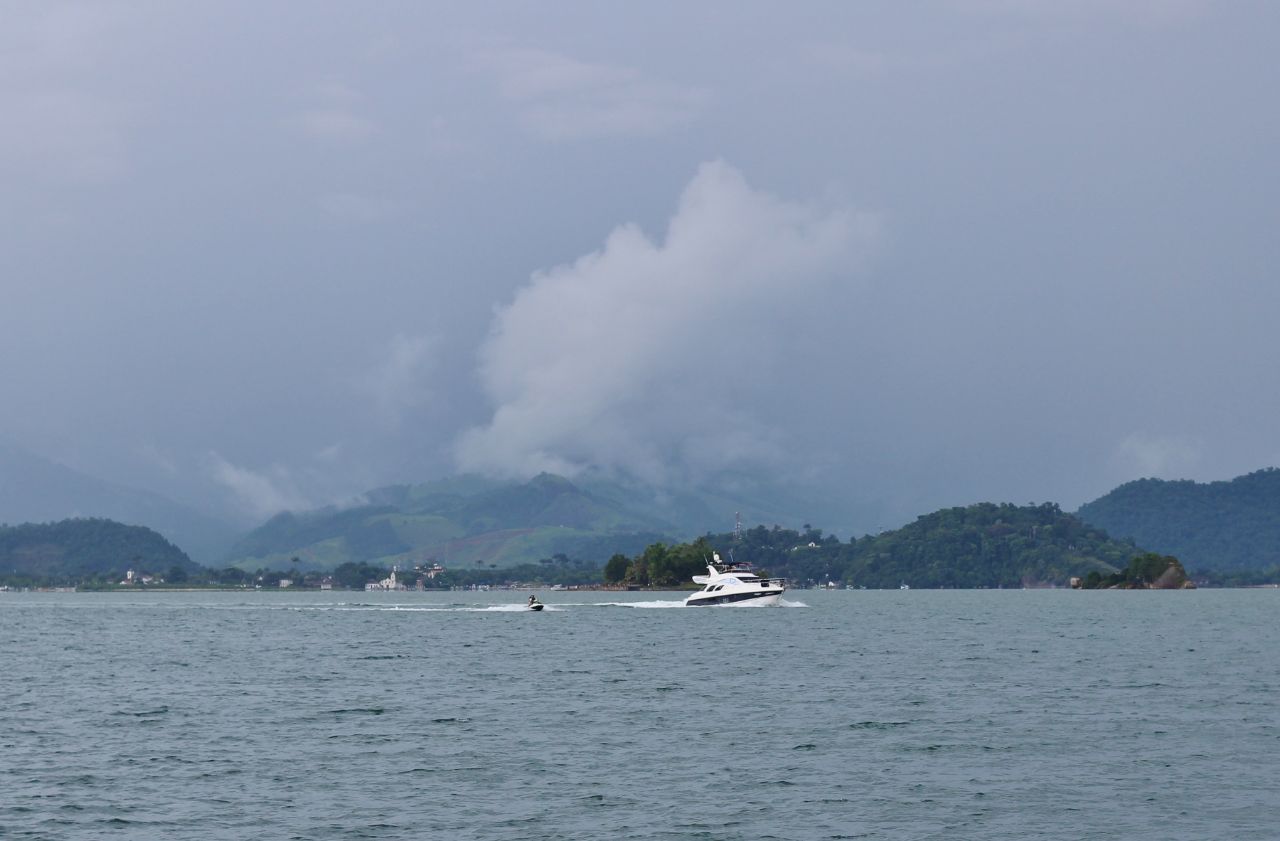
x=1149 y=570
x=665 y=566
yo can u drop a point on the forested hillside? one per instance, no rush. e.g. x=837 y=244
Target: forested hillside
x=1222 y=526
x=985 y=545
x=85 y=551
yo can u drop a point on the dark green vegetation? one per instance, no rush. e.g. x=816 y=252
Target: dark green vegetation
x=1232 y=528
x=465 y=523
x=86 y=553
x=660 y=565
x=983 y=545
x=1145 y=571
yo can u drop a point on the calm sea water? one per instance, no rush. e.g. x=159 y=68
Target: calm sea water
x=863 y=714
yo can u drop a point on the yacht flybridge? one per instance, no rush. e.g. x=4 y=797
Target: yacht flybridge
x=735 y=583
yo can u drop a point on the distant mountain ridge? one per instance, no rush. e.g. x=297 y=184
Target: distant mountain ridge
x=1222 y=526
x=36 y=490
x=463 y=520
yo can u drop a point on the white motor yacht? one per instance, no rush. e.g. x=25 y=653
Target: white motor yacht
x=736 y=584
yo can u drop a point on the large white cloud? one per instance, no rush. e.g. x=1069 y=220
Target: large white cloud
x=666 y=359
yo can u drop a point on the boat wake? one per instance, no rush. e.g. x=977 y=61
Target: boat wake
x=511 y=607
x=642 y=605
x=519 y=607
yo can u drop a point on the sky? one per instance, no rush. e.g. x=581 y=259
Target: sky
x=267 y=256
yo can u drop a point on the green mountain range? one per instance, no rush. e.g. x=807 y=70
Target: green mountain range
x=1223 y=526
x=473 y=523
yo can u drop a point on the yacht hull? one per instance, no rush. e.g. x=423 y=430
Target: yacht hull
x=745 y=598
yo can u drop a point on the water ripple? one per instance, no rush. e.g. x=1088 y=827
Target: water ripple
x=947 y=715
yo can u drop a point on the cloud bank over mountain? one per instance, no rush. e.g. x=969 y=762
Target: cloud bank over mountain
x=661 y=357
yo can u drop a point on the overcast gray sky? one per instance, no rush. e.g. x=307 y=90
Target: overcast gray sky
x=264 y=255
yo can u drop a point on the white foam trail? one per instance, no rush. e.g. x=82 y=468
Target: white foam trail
x=372 y=609
x=643 y=605
x=488 y=608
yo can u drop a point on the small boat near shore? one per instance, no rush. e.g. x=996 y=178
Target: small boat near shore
x=735 y=584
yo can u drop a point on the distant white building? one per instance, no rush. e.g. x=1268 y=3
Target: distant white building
x=388 y=583
x=285 y=582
